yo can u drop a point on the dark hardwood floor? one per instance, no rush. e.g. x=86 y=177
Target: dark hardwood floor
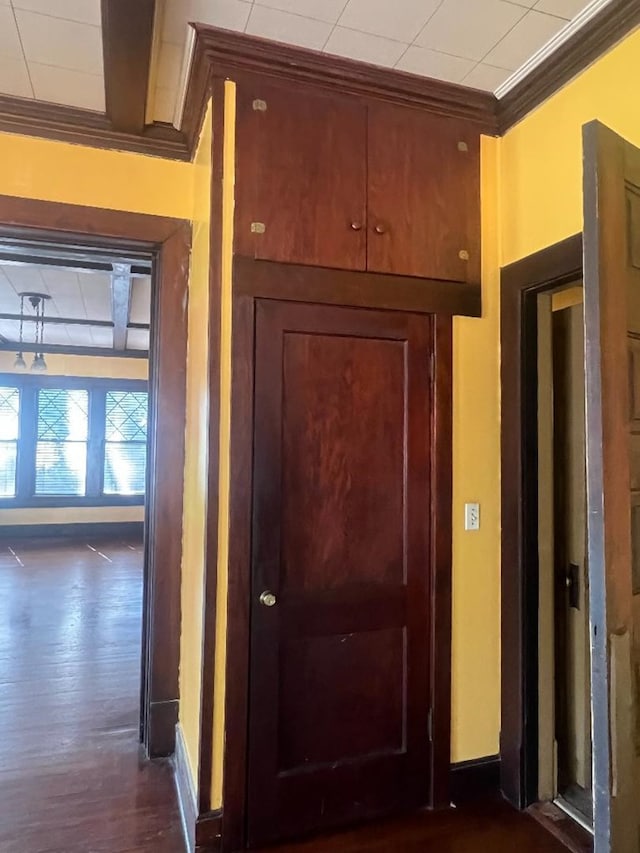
x=71 y=776
x=488 y=827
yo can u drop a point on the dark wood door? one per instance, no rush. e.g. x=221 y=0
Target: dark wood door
x=612 y=335
x=340 y=663
x=301 y=175
x=423 y=195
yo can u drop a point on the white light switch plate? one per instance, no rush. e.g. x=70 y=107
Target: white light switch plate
x=472 y=516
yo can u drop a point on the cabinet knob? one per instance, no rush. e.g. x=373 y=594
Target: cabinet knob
x=380 y=228
x=356 y=226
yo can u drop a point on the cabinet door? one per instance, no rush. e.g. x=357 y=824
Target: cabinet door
x=301 y=173
x=424 y=195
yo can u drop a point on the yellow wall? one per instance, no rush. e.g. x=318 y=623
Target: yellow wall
x=83 y=366
x=57 y=171
x=196 y=457
x=542 y=156
x=476 y=477
x=225 y=434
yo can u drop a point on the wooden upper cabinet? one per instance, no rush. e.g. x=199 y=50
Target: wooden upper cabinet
x=301 y=175
x=357 y=184
x=423 y=194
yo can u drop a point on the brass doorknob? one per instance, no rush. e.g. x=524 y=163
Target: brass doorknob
x=267 y=598
x=356 y=226
x=380 y=228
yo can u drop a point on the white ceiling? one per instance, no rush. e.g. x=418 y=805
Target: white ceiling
x=478 y=43
x=77 y=295
x=51 y=50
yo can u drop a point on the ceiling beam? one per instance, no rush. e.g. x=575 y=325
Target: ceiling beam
x=127 y=39
x=120 y=304
x=68 y=321
x=62 y=349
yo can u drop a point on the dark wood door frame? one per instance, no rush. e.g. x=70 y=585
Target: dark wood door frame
x=521 y=282
x=167 y=242
x=240 y=535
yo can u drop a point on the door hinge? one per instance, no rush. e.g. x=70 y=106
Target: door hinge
x=259 y=106
x=430 y=725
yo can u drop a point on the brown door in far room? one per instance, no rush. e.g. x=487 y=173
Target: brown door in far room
x=340 y=644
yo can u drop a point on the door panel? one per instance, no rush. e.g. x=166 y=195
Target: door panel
x=612 y=328
x=424 y=195
x=340 y=663
x=301 y=172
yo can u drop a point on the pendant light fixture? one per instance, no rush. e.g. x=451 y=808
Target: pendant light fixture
x=37 y=301
x=20 y=363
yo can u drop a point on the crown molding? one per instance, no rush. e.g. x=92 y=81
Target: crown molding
x=85 y=127
x=547 y=72
x=236 y=55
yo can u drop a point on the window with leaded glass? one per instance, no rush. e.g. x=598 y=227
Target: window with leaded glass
x=9 y=432
x=125 y=455
x=61 y=447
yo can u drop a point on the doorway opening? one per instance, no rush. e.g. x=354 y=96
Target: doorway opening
x=564 y=673
x=79 y=432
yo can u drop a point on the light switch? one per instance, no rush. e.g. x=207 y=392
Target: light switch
x=472 y=516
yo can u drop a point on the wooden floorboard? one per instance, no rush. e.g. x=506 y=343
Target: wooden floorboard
x=72 y=779
x=491 y=826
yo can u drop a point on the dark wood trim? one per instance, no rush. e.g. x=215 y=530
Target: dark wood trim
x=231 y=54
x=476 y=779
x=161 y=729
x=168 y=242
x=185 y=791
x=75 y=530
x=209 y=832
x=561 y=826
x=76 y=225
x=442 y=537
x=209 y=608
x=519 y=677
x=85 y=127
x=603 y=31
x=269 y=280
x=127 y=38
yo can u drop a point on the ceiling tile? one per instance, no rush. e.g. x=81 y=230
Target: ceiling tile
x=137 y=339
x=25 y=278
x=322 y=10
x=84 y=11
x=10 y=46
x=140 y=300
x=169 y=65
x=65 y=44
x=365 y=47
x=164 y=104
x=292 y=29
x=486 y=77
x=395 y=19
x=63 y=86
x=101 y=336
x=564 y=8
x=231 y=14
x=430 y=63
x=527 y=37
x=468 y=28
x=14 y=78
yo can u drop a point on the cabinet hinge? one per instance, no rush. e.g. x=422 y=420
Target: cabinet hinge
x=258 y=227
x=430 y=725
x=259 y=106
